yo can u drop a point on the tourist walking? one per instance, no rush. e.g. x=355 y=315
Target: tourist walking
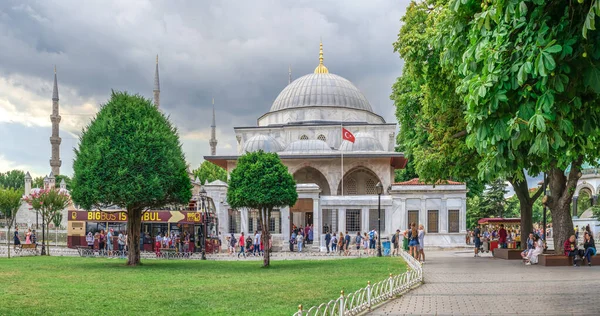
x=292 y=240
x=310 y=234
x=109 y=242
x=90 y=240
x=421 y=243
x=372 y=241
x=242 y=240
x=327 y=240
x=248 y=244
x=334 y=242
x=300 y=241
x=347 y=244
x=16 y=239
x=102 y=241
x=341 y=243
x=232 y=242
x=256 y=243
x=502 y=237
x=395 y=242
x=477 y=240
x=413 y=240
x=33 y=237
x=28 y=237
x=358 y=241
x=121 y=242
x=365 y=242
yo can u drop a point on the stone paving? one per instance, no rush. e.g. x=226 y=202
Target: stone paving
x=455 y=283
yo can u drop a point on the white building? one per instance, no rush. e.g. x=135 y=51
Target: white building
x=304 y=127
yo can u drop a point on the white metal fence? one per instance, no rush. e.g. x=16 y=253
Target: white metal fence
x=371 y=295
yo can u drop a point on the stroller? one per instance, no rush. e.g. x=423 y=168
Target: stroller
x=485 y=245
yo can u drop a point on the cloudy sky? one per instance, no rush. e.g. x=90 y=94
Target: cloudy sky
x=236 y=51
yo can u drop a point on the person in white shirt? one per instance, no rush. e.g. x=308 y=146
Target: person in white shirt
x=256 y=245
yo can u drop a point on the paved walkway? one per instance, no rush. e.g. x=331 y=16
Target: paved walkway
x=458 y=284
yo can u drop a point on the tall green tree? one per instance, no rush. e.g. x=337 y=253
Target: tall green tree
x=130 y=156
x=531 y=83
x=10 y=202
x=429 y=111
x=494 y=202
x=210 y=172
x=48 y=203
x=261 y=182
x=67 y=179
x=12 y=179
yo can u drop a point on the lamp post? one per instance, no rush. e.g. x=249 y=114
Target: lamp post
x=379 y=189
x=544 y=231
x=203 y=201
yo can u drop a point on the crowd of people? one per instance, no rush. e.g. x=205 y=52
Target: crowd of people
x=105 y=242
x=247 y=245
x=30 y=238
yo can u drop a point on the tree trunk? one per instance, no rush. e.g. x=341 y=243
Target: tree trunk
x=562 y=189
x=134 y=228
x=43 y=253
x=265 y=236
x=48 y=241
x=525 y=205
x=8 y=239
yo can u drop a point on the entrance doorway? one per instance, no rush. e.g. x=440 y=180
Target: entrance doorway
x=301 y=214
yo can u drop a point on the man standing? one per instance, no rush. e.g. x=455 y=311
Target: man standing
x=16 y=239
x=347 y=244
x=477 y=240
x=502 y=236
x=242 y=241
x=256 y=243
x=121 y=241
x=372 y=242
x=327 y=240
x=395 y=242
x=109 y=242
x=300 y=241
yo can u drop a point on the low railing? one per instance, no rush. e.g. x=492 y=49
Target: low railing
x=371 y=295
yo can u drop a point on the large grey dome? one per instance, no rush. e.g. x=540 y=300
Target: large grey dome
x=262 y=142
x=321 y=89
x=362 y=142
x=305 y=146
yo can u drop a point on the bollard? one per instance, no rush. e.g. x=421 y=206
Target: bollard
x=300 y=310
x=342 y=304
x=369 y=295
x=391 y=281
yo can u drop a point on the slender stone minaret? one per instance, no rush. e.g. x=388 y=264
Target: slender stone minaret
x=55 y=140
x=156 y=86
x=290 y=74
x=27 y=183
x=213 y=133
x=51 y=180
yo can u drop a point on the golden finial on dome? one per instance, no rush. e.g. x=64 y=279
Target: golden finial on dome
x=321 y=69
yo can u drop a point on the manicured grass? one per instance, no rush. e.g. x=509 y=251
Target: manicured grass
x=96 y=286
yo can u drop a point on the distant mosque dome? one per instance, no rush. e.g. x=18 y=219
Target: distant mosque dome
x=307 y=146
x=262 y=142
x=362 y=142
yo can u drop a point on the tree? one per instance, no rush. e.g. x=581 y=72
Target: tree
x=57 y=220
x=130 y=156
x=61 y=177
x=427 y=104
x=48 y=203
x=10 y=202
x=531 y=82
x=261 y=182
x=37 y=182
x=513 y=208
x=12 y=179
x=493 y=202
x=210 y=172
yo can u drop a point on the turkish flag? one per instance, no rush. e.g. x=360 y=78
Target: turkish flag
x=347 y=135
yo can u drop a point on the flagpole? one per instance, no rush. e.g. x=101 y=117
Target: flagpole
x=342 y=152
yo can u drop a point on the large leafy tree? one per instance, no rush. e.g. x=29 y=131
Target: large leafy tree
x=48 y=203
x=130 y=156
x=493 y=202
x=10 y=202
x=261 y=182
x=430 y=113
x=210 y=172
x=12 y=179
x=531 y=83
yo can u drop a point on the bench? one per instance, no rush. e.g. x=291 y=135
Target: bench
x=507 y=254
x=30 y=248
x=553 y=260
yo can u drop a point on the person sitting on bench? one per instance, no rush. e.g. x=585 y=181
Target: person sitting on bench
x=532 y=257
x=527 y=252
x=571 y=250
x=590 y=247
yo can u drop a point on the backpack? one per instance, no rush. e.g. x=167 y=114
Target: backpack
x=358 y=238
x=394 y=239
x=371 y=235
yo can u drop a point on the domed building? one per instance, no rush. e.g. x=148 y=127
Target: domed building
x=304 y=127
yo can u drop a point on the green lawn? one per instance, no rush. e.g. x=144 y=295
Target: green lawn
x=93 y=286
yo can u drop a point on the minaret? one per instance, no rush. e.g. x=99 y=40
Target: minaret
x=321 y=69
x=290 y=74
x=156 y=86
x=213 y=133
x=27 y=183
x=55 y=139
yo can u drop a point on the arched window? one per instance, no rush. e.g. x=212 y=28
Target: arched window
x=322 y=137
x=303 y=137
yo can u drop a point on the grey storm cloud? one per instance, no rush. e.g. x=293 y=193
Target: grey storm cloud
x=235 y=51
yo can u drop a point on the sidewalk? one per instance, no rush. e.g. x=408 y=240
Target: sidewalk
x=458 y=284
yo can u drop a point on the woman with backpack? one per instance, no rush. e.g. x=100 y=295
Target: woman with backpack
x=334 y=242
x=413 y=241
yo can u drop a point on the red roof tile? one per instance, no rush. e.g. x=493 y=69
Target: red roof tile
x=417 y=181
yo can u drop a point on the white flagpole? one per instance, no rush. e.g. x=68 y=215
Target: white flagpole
x=342 y=152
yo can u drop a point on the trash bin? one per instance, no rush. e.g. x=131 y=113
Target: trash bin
x=386 y=248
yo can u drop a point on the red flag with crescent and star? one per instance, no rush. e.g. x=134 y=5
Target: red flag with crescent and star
x=347 y=135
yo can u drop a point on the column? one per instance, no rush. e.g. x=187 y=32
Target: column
x=444 y=216
x=575 y=206
x=594 y=200
x=285 y=225
x=341 y=220
x=244 y=219
x=365 y=218
x=423 y=213
x=403 y=215
x=463 y=216
x=317 y=223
